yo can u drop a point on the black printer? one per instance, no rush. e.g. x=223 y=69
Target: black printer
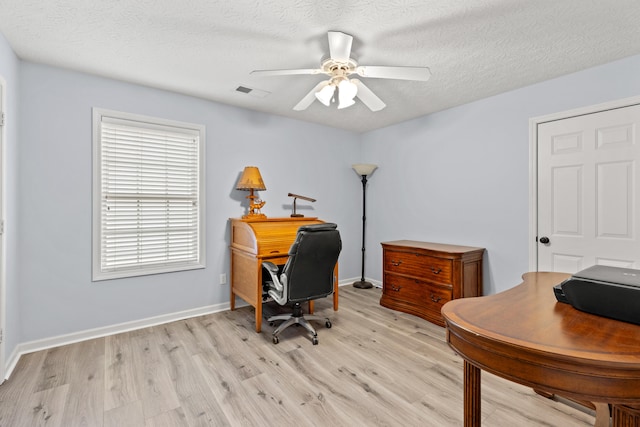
x=605 y=291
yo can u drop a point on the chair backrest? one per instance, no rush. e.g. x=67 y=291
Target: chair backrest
x=312 y=259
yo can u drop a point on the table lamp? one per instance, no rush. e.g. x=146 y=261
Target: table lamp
x=363 y=170
x=252 y=180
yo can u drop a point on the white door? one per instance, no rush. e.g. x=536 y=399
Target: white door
x=589 y=191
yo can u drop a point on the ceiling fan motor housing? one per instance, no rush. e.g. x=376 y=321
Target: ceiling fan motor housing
x=338 y=68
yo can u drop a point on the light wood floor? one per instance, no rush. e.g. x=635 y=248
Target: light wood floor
x=375 y=367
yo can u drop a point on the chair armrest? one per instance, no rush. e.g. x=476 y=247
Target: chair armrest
x=271 y=267
x=274 y=283
x=277 y=288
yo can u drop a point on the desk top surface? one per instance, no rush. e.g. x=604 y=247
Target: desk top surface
x=439 y=247
x=529 y=316
x=525 y=335
x=277 y=219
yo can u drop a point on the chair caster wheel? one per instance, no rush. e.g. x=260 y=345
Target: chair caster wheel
x=275 y=340
x=314 y=340
x=328 y=324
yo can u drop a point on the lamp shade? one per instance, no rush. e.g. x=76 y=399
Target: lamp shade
x=325 y=94
x=251 y=179
x=346 y=92
x=345 y=103
x=364 y=168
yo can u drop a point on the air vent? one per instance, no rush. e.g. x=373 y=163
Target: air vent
x=258 y=93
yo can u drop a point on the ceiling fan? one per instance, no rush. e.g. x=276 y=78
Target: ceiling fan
x=339 y=66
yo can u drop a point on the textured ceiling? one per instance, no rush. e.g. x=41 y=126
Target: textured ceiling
x=207 y=48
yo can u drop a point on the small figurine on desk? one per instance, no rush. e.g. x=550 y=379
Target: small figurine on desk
x=296 y=196
x=255 y=206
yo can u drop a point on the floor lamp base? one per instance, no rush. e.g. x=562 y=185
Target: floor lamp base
x=362 y=284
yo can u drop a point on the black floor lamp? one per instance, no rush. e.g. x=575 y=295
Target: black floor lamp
x=363 y=170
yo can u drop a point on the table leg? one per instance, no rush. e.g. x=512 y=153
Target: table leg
x=471 y=395
x=602 y=414
x=259 y=316
x=625 y=416
x=335 y=288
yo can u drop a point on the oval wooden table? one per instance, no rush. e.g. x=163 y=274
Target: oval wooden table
x=526 y=336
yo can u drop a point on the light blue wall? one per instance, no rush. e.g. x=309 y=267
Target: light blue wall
x=458 y=176
x=57 y=295
x=461 y=176
x=9 y=65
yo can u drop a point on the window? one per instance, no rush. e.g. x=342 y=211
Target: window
x=148 y=195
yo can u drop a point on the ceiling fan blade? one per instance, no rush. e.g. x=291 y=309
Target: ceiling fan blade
x=286 y=72
x=400 y=73
x=367 y=97
x=310 y=97
x=340 y=46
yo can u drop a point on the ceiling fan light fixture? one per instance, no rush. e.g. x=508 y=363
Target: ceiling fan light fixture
x=339 y=65
x=347 y=91
x=345 y=104
x=325 y=95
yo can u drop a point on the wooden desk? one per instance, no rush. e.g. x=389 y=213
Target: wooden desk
x=255 y=241
x=525 y=336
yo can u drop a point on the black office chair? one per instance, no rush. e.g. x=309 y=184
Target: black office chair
x=307 y=275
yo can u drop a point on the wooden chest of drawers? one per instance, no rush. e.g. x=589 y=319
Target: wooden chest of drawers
x=420 y=277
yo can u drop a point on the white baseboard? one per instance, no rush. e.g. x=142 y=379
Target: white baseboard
x=46 y=343
x=12 y=361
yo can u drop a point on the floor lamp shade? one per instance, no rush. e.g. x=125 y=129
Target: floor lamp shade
x=363 y=169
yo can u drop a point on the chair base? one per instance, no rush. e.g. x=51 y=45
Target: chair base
x=297 y=318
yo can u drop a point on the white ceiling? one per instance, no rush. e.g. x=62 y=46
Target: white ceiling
x=207 y=48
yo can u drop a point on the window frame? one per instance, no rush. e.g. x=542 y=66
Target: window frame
x=98 y=274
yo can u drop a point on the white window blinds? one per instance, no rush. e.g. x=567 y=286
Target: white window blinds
x=149 y=207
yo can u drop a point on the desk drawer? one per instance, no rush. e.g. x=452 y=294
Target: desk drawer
x=429 y=296
x=415 y=264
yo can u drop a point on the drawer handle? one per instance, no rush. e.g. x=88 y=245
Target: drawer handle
x=435 y=298
x=435 y=270
x=396 y=263
x=396 y=288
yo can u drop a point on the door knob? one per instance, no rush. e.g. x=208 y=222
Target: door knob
x=544 y=240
